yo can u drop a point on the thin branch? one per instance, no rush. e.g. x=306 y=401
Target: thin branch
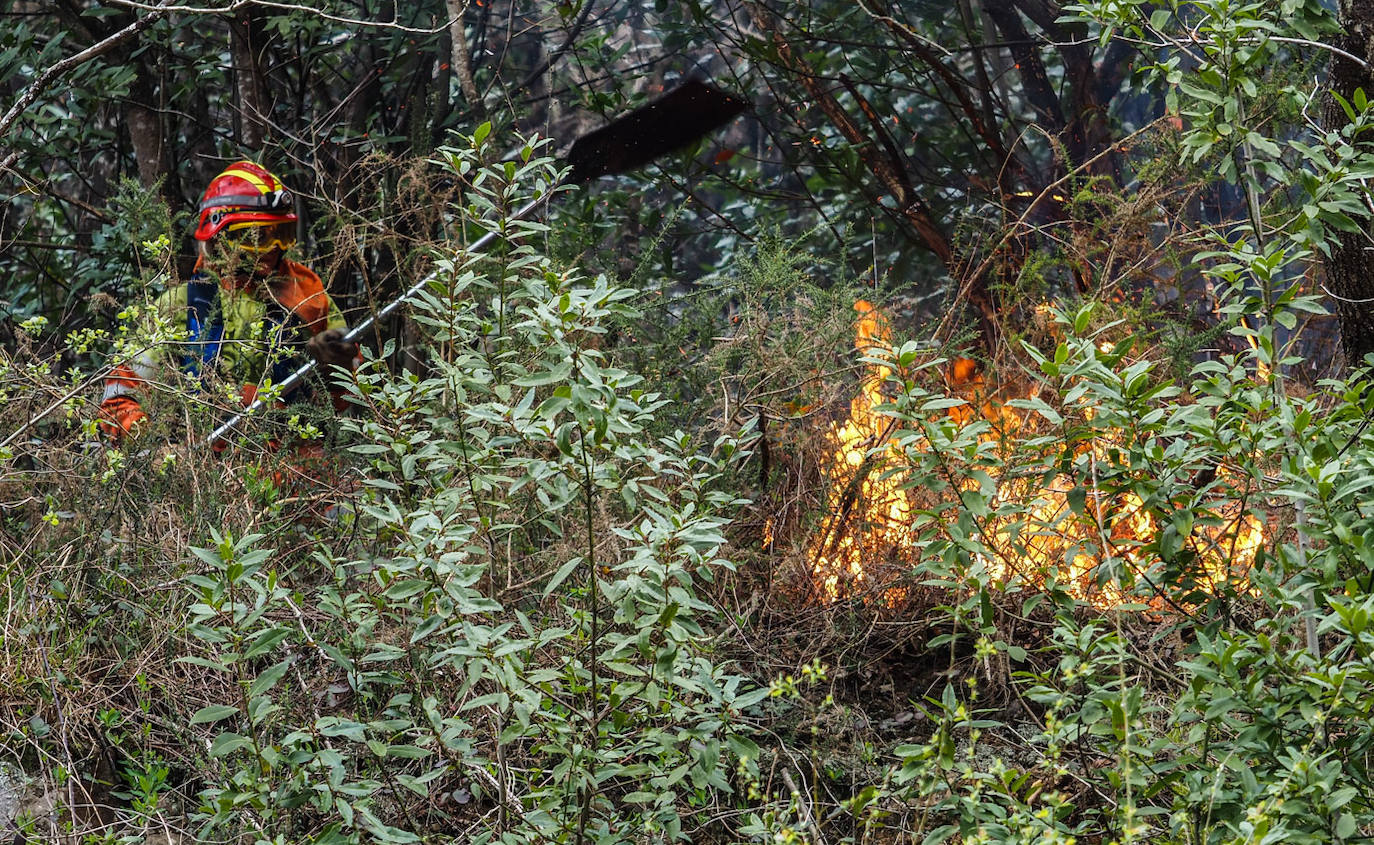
x=904 y=30
x=573 y=32
x=47 y=245
x=921 y=46
x=1332 y=48
x=56 y=71
x=986 y=263
x=290 y=7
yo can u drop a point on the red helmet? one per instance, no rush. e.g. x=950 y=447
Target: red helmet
x=246 y=196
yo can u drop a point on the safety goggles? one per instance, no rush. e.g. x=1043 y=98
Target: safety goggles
x=257 y=236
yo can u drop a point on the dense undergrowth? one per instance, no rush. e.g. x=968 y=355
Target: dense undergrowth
x=503 y=607
x=520 y=593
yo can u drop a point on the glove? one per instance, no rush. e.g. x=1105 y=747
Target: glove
x=329 y=347
x=120 y=417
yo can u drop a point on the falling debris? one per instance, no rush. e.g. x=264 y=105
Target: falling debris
x=669 y=123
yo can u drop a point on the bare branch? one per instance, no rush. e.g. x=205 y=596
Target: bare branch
x=56 y=71
x=290 y=7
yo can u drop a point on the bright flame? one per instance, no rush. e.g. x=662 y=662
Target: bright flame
x=1047 y=538
x=872 y=510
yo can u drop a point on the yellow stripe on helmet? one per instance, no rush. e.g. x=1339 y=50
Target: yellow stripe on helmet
x=253 y=178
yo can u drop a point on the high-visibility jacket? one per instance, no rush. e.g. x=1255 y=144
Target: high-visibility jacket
x=240 y=334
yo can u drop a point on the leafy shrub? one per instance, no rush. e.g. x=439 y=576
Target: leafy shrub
x=512 y=634
x=509 y=638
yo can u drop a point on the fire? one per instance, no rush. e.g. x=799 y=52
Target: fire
x=858 y=480
x=1061 y=531
x=1114 y=527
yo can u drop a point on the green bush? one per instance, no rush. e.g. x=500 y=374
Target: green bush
x=526 y=626
x=1141 y=593
x=506 y=638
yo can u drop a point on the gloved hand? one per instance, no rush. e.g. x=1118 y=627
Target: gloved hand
x=121 y=417
x=329 y=347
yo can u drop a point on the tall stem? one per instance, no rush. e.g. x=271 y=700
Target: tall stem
x=1252 y=202
x=593 y=643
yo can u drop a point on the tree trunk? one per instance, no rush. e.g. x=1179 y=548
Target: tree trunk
x=1350 y=267
x=248 y=43
x=145 y=129
x=461 y=59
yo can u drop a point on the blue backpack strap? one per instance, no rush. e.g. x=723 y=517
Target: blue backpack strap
x=286 y=325
x=205 y=329
x=204 y=324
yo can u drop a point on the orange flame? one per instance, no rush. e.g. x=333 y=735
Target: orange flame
x=872 y=510
x=838 y=550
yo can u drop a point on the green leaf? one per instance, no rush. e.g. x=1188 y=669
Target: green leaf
x=334 y=726
x=203 y=662
x=227 y=743
x=265 y=641
x=941 y=404
x=743 y=747
x=1080 y=322
x=940 y=834
x=405 y=588
x=1078 y=499
x=213 y=713
x=1346 y=826
x=561 y=575
x=555 y=375
x=268 y=678
x=562 y=438
x=427 y=627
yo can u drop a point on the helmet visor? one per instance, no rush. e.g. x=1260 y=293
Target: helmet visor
x=260 y=236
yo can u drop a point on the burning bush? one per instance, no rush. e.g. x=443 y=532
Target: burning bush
x=1095 y=493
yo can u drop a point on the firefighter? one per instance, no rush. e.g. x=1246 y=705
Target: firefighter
x=245 y=305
